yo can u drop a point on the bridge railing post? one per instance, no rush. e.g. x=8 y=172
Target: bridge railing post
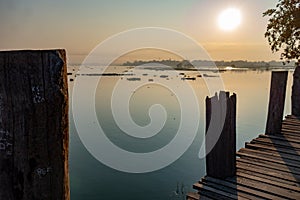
x=34 y=125
x=220 y=136
x=296 y=92
x=276 y=102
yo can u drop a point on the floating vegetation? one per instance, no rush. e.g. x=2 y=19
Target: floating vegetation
x=207 y=75
x=179 y=193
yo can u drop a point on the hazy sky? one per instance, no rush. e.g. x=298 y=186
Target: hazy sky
x=80 y=25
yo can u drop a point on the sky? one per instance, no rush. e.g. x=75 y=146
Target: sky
x=80 y=25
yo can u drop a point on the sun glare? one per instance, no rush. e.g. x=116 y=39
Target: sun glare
x=229 y=19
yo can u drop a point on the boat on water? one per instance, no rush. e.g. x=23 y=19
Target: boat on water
x=134 y=79
x=189 y=78
x=164 y=76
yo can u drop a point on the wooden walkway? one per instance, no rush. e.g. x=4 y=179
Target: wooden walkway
x=267 y=168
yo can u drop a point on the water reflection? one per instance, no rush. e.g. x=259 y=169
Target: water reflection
x=93 y=180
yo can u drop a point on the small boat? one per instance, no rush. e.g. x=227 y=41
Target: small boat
x=189 y=78
x=164 y=76
x=134 y=79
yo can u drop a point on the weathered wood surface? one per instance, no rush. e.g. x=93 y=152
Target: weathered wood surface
x=33 y=125
x=276 y=102
x=220 y=127
x=267 y=168
x=296 y=93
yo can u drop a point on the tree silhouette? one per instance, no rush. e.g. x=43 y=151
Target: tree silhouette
x=283 y=30
x=283 y=33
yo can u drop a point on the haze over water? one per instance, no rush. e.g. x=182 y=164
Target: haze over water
x=90 y=179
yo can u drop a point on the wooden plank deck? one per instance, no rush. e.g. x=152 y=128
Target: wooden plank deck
x=267 y=168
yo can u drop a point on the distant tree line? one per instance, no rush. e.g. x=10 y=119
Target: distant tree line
x=206 y=63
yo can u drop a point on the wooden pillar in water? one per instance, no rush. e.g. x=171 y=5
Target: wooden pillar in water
x=220 y=139
x=34 y=133
x=276 y=102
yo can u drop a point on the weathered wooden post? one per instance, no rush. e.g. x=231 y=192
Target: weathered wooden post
x=220 y=136
x=296 y=93
x=34 y=125
x=276 y=102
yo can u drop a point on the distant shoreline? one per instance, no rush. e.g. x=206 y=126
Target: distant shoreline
x=187 y=65
x=203 y=65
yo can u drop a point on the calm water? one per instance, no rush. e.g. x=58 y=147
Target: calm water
x=90 y=179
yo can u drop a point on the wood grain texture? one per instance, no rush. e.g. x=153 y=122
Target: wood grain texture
x=34 y=127
x=276 y=102
x=268 y=168
x=221 y=127
x=296 y=93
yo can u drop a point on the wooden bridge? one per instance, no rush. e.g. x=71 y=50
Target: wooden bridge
x=267 y=168
x=34 y=137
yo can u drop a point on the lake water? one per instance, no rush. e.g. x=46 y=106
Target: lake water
x=90 y=179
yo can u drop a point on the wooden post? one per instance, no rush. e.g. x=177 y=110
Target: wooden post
x=220 y=136
x=296 y=93
x=34 y=125
x=276 y=102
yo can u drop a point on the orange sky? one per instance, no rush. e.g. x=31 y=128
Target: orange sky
x=79 y=26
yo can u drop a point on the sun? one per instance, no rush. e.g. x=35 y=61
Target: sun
x=229 y=19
